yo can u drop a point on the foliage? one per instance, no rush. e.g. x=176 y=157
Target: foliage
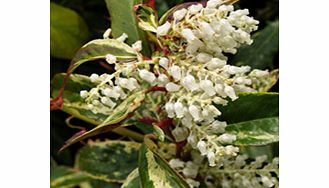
x=189 y=109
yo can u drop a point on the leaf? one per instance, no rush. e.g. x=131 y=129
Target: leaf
x=255 y=132
x=118 y=115
x=260 y=55
x=99 y=48
x=123 y=20
x=250 y=106
x=147 y=20
x=65 y=177
x=132 y=181
x=98 y=184
x=109 y=161
x=155 y=171
x=72 y=102
x=68 y=31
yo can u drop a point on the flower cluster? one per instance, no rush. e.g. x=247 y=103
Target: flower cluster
x=236 y=173
x=214 y=29
x=200 y=76
x=195 y=73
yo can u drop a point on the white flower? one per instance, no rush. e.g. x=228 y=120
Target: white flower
x=195 y=112
x=111 y=93
x=163 y=29
x=193 y=9
x=188 y=35
x=208 y=87
x=147 y=76
x=203 y=57
x=191 y=170
x=180 y=14
x=164 y=62
x=170 y=109
x=213 y=3
x=219 y=88
x=176 y=163
x=192 y=183
x=180 y=133
x=107 y=33
x=119 y=90
x=163 y=79
x=111 y=59
x=230 y=92
x=202 y=147
x=227 y=138
x=189 y=83
x=84 y=94
x=231 y=150
x=266 y=181
x=172 y=87
x=238 y=70
x=94 y=77
x=187 y=119
x=193 y=46
x=175 y=72
x=215 y=63
x=259 y=73
x=107 y=101
x=207 y=30
x=213 y=110
x=211 y=158
x=179 y=109
x=192 y=139
x=95 y=102
x=137 y=46
x=122 y=38
x=217 y=126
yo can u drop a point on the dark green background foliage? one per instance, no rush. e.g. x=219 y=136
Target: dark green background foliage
x=93 y=19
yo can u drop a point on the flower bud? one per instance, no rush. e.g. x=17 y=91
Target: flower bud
x=211 y=158
x=179 y=109
x=84 y=94
x=137 y=46
x=172 y=87
x=175 y=72
x=164 y=62
x=163 y=29
x=94 y=77
x=147 y=76
x=227 y=138
x=122 y=38
x=176 y=163
x=180 y=133
x=208 y=87
x=202 y=147
x=180 y=14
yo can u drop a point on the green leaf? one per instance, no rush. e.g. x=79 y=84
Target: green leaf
x=98 y=184
x=260 y=55
x=250 y=106
x=68 y=31
x=99 y=48
x=72 y=102
x=255 y=132
x=147 y=19
x=132 y=181
x=123 y=20
x=110 y=161
x=65 y=177
x=155 y=171
x=114 y=120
